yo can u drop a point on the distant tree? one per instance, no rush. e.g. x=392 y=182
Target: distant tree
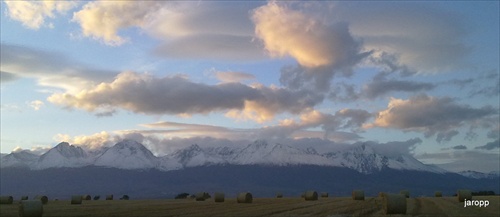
x=182 y=196
x=483 y=193
x=97 y=197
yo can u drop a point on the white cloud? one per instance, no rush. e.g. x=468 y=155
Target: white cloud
x=32 y=14
x=90 y=142
x=287 y=32
x=102 y=20
x=36 y=104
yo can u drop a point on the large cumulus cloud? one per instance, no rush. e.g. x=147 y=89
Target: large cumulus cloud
x=147 y=94
x=430 y=115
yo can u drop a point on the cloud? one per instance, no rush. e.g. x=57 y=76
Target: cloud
x=333 y=125
x=7 y=77
x=428 y=114
x=287 y=32
x=215 y=46
x=273 y=100
x=49 y=68
x=207 y=30
x=89 y=142
x=32 y=14
x=147 y=94
x=36 y=104
x=459 y=147
x=378 y=88
x=461 y=160
x=396 y=148
x=446 y=136
x=490 y=145
x=102 y=20
x=37 y=149
x=427 y=44
x=229 y=77
x=143 y=93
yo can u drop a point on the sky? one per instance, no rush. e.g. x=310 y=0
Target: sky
x=419 y=77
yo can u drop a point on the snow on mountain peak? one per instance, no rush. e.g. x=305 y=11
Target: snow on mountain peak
x=63 y=155
x=127 y=154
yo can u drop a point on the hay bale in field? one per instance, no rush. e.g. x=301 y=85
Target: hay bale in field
x=31 y=208
x=311 y=195
x=395 y=204
x=125 y=197
x=244 y=197
x=24 y=197
x=76 y=199
x=438 y=194
x=200 y=196
x=97 y=197
x=219 y=197
x=324 y=194
x=86 y=197
x=109 y=197
x=42 y=198
x=279 y=195
x=358 y=195
x=6 y=199
x=381 y=194
x=406 y=193
x=464 y=194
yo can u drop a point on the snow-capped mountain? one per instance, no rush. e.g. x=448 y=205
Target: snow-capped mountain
x=19 y=159
x=260 y=152
x=479 y=175
x=63 y=155
x=129 y=154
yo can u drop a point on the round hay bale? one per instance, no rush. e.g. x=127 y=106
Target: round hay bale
x=24 y=197
x=395 y=204
x=279 y=195
x=406 y=193
x=109 y=197
x=97 y=197
x=6 y=199
x=324 y=194
x=200 y=196
x=244 y=197
x=125 y=197
x=219 y=197
x=358 y=195
x=76 y=199
x=31 y=208
x=311 y=195
x=86 y=197
x=438 y=194
x=42 y=198
x=381 y=194
x=464 y=194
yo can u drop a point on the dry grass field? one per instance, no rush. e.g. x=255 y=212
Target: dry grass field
x=425 y=206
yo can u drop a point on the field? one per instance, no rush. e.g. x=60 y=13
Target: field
x=424 y=206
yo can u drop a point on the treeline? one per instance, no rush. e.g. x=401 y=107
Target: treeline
x=481 y=193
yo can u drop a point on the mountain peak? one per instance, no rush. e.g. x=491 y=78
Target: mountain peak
x=127 y=154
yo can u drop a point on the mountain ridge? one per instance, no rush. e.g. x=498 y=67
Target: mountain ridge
x=132 y=155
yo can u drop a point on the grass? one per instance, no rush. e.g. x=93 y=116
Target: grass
x=422 y=206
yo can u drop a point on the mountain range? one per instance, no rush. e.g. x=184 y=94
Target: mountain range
x=262 y=168
x=129 y=154
x=132 y=155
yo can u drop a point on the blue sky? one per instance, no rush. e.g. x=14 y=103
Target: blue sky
x=95 y=72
